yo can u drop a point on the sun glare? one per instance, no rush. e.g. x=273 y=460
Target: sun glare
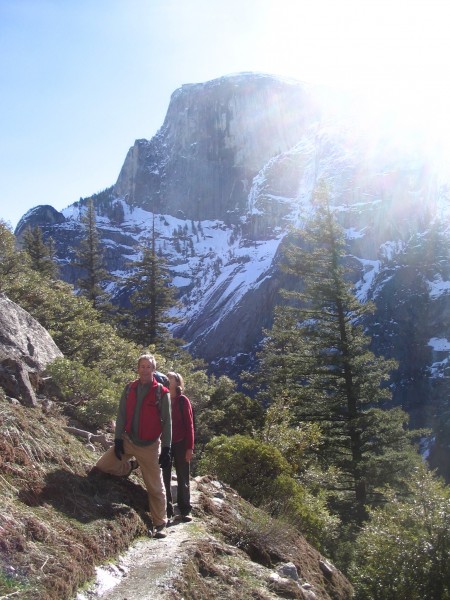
x=392 y=55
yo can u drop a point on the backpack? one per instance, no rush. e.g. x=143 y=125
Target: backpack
x=161 y=378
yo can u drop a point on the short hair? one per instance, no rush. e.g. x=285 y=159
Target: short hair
x=179 y=380
x=148 y=357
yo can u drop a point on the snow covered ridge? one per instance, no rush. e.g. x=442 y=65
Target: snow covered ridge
x=211 y=264
x=214 y=266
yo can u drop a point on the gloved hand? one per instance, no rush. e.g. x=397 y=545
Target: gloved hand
x=118 y=449
x=164 y=458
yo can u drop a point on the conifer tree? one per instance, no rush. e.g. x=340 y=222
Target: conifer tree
x=151 y=299
x=12 y=262
x=321 y=367
x=90 y=260
x=40 y=253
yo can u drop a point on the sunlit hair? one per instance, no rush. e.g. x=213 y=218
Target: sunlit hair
x=148 y=357
x=179 y=379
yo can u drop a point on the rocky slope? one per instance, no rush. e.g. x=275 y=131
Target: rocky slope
x=224 y=553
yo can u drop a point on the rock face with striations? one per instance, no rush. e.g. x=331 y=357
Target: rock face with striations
x=25 y=347
x=214 y=140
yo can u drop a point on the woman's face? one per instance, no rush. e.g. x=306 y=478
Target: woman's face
x=173 y=385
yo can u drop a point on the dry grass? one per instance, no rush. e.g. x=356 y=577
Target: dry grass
x=55 y=521
x=269 y=542
x=210 y=574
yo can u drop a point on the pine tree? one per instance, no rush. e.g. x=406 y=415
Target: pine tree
x=151 y=299
x=40 y=253
x=90 y=260
x=12 y=261
x=321 y=367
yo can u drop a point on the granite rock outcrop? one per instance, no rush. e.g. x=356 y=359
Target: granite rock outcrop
x=26 y=348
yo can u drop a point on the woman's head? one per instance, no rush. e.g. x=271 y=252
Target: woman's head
x=176 y=382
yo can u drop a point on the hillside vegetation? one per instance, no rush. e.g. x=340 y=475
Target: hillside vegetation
x=57 y=522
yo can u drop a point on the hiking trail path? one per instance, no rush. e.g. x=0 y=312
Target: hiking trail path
x=147 y=569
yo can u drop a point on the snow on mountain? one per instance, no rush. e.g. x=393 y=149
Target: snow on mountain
x=438 y=287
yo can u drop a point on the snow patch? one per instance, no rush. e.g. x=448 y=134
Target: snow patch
x=390 y=249
x=354 y=234
x=439 y=344
x=371 y=269
x=439 y=368
x=438 y=287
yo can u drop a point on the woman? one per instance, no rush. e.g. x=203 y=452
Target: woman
x=182 y=448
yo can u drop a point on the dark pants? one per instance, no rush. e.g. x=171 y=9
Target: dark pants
x=182 y=469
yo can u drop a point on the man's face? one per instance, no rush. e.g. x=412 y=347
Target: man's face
x=145 y=370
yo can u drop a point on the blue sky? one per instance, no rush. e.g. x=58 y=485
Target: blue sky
x=82 y=79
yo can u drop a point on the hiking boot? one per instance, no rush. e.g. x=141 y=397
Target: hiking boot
x=160 y=532
x=186 y=518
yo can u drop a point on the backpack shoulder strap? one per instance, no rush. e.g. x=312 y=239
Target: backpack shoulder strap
x=129 y=385
x=159 y=395
x=160 y=391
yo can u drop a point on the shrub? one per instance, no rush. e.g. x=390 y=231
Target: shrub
x=92 y=396
x=402 y=551
x=294 y=504
x=261 y=475
x=246 y=464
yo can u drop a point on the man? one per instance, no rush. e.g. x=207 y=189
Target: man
x=143 y=431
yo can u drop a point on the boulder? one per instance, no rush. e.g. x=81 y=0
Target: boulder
x=15 y=381
x=25 y=347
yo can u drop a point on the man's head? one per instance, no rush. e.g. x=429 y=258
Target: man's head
x=146 y=367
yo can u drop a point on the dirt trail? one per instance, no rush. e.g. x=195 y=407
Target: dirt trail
x=207 y=556
x=146 y=570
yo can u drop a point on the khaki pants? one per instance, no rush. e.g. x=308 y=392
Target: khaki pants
x=147 y=457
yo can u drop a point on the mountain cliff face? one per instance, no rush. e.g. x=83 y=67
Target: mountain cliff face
x=233 y=166
x=214 y=140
